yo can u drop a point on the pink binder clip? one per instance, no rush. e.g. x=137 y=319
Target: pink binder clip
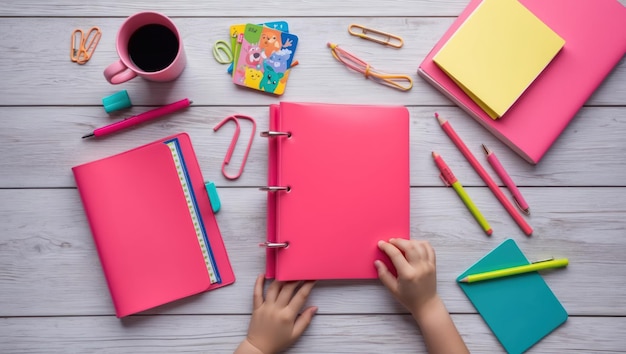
x=233 y=142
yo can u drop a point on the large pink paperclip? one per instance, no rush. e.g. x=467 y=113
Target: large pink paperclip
x=233 y=142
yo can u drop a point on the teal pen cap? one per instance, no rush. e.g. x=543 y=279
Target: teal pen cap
x=116 y=101
x=214 y=198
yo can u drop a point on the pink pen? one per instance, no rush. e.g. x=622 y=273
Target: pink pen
x=508 y=182
x=140 y=118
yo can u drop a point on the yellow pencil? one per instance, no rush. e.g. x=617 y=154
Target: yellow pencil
x=555 y=263
x=450 y=179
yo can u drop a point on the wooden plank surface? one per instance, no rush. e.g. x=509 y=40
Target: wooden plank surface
x=327 y=334
x=53 y=295
x=48 y=256
x=319 y=77
x=240 y=8
x=594 y=140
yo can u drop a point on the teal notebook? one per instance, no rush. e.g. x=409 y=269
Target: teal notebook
x=519 y=309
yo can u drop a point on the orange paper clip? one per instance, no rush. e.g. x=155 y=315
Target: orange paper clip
x=397 y=81
x=82 y=46
x=233 y=142
x=375 y=36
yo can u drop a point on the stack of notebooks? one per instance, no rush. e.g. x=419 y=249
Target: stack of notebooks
x=153 y=226
x=524 y=68
x=263 y=55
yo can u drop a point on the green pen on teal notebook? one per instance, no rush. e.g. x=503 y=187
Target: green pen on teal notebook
x=520 y=309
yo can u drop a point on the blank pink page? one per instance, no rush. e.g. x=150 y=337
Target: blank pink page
x=348 y=169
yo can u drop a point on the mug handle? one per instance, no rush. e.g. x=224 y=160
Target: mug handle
x=118 y=73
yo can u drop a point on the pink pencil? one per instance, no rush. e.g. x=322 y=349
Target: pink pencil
x=508 y=181
x=447 y=128
x=140 y=118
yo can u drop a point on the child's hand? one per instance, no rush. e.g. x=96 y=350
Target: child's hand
x=275 y=323
x=416 y=284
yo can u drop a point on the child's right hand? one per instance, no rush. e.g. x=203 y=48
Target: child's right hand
x=275 y=323
x=416 y=284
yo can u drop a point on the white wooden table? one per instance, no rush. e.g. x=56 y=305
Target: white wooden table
x=53 y=296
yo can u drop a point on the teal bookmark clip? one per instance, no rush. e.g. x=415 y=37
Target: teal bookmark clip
x=213 y=197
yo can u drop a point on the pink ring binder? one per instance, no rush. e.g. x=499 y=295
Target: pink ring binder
x=320 y=181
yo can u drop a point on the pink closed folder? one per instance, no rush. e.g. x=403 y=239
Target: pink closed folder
x=142 y=224
x=347 y=169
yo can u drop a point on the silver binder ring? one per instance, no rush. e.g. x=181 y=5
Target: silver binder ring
x=275 y=189
x=268 y=244
x=272 y=134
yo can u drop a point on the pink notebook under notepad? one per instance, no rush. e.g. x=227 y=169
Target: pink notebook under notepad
x=595 y=41
x=153 y=226
x=346 y=168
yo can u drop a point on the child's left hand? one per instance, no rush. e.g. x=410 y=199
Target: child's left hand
x=275 y=323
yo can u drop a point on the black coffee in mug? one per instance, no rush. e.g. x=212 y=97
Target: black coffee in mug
x=153 y=47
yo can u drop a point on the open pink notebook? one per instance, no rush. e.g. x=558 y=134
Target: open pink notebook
x=346 y=171
x=153 y=226
x=595 y=40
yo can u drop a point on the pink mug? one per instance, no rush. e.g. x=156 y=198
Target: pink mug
x=149 y=46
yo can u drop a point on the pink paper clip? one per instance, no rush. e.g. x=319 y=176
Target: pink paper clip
x=233 y=142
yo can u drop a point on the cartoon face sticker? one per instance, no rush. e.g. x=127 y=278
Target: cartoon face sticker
x=254 y=57
x=253 y=78
x=270 y=79
x=270 y=42
x=278 y=60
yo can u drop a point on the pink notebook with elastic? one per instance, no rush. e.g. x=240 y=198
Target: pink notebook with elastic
x=346 y=168
x=153 y=226
x=595 y=41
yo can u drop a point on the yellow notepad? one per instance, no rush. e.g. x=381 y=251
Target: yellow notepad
x=497 y=53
